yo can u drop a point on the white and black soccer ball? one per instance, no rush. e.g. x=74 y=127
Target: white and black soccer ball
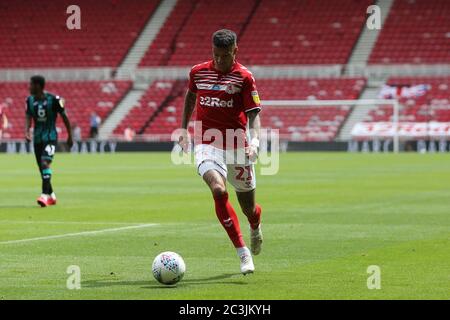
x=168 y=267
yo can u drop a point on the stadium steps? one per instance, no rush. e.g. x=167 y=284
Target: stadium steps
x=122 y=109
x=367 y=39
x=173 y=44
x=249 y=18
x=178 y=89
x=137 y=52
x=359 y=112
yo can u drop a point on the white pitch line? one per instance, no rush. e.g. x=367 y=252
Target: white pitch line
x=68 y=222
x=76 y=234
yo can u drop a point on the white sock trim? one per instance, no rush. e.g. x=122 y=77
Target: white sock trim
x=242 y=250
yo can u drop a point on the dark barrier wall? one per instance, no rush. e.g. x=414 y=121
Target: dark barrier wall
x=92 y=147
x=114 y=146
x=317 y=146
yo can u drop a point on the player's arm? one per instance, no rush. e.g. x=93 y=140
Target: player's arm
x=252 y=107
x=68 y=128
x=28 y=119
x=189 y=105
x=62 y=111
x=5 y=121
x=28 y=128
x=254 y=124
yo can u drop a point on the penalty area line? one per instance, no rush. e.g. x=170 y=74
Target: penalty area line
x=83 y=233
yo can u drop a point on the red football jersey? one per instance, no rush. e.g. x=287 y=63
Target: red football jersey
x=223 y=98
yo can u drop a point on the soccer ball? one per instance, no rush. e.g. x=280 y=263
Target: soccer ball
x=168 y=267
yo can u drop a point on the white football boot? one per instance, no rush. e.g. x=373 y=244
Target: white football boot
x=256 y=238
x=246 y=259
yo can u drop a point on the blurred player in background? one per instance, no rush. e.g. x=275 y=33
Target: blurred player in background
x=42 y=108
x=224 y=94
x=3 y=121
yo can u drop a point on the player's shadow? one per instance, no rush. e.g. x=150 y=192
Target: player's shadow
x=149 y=284
x=222 y=279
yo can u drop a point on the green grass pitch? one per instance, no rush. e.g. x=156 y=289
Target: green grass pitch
x=326 y=218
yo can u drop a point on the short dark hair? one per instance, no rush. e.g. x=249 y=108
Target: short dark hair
x=224 y=38
x=38 y=79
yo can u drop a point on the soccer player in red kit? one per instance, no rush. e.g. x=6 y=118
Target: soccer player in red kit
x=224 y=95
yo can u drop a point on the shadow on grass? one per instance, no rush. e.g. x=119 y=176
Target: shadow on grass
x=152 y=284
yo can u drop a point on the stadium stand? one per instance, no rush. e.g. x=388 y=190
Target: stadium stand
x=185 y=38
x=168 y=119
x=148 y=105
x=161 y=49
x=308 y=123
x=434 y=105
x=271 y=31
x=81 y=98
x=415 y=32
x=108 y=30
x=285 y=32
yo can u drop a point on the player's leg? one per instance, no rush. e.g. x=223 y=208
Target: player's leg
x=46 y=162
x=38 y=149
x=37 y=154
x=224 y=210
x=249 y=207
x=228 y=218
x=243 y=179
x=253 y=212
x=211 y=167
x=46 y=176
x=46 y=157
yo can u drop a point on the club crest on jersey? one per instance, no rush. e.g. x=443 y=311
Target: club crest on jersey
x=230 y=89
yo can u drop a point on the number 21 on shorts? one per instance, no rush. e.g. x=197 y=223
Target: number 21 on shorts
x=242 y=171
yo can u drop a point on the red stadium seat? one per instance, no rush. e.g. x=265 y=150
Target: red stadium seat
x=415 y=32
x=34 y=34
x=269 y=31
x=148 y=105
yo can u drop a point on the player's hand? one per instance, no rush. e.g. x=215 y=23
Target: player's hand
x=252 y=150
x=69 y=142
x=184 y=140
x=28 y=136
